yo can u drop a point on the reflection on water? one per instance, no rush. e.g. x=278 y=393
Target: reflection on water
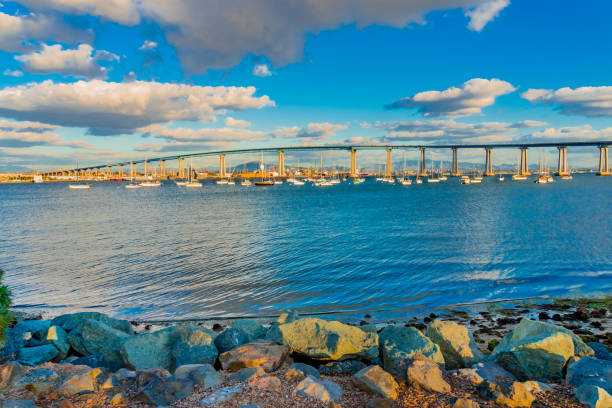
x=221 y=250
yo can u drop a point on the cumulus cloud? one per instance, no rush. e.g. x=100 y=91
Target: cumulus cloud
x=14 y=73
x=26 y=126
x=29 y=134
x=312 y=131
x=261 y=70
x=231 y=122
x=108 y=108
x=468 y=99
x=220 y=33
x=148 y=45
x=572 y=133
x=584 y=101
x=80 y=62
x=185 y=146
x=481 y=15
x=202 y=134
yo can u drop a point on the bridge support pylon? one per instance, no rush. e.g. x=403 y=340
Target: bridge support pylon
x=422 y=165
x=354 y=163
x=132 y=171
x=146 y=170
x=221 y=165
x=562 y=163
x=389 y=167
x=488 y=162
x=181 y=167
x=524 y=164
x=455 y=169
x=121 y=171
x=281 y=163
x=604 y=167
x=162 y=168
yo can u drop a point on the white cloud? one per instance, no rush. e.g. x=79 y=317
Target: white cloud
x=573 y=133
x=113 y=108
x=25 y=126
x=14 y=73
x=28 y=134
x=148 y=45
x=481 y=15
x=202 y=134
x=585 y=101
x=231 y=122
x=261 y=70
x=185 y=146
x=220 y=33
x=312 y=131
x=468 y=99
x=79 y=62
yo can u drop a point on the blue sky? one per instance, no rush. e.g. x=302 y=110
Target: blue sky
x=103 y=81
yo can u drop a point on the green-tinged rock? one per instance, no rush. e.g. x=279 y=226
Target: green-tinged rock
x=375 y=380
x=230 y=339
x=425 y=374
x=538 y=351
x=594 y=397
x=485 y=370
x=266 y=354
x=33 y=356
x=221 y=395
x=590 y=371
x=95 y=337
x=398 y=343
x=253 y=329
x=148 y=350
x=110 y=360
x=305 y=369
x=456 y=344
x=341 y=367
x=326 y=340
x=70 y=321
x=322 y=390
x=79 y=383
x=37 y=380
x=247 y=374
x=193 y=345
x=506 y=394
x=9 y=372
x=288 y=316
x=201 y=374
x=165 y=391
x=58 y=337
x=23 y=403
x=36 y=328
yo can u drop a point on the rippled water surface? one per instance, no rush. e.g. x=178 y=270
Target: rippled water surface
x=176 y=253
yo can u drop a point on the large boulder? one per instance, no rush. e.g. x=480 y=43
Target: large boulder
x=590 y=371
x=456 y=344
x=594 y=397
x=33 y=356
x=58 y=337
x=230 y=339
x=148 y=350
x=220 y=395
x=266 y=354
x=375 y=380
x=398 y=343
x=193 y=345
x=110 y=360
x=322 y=390
x=79 y=383
x=506 y=394
x=70 y=321
x=486 y=370
x=37 y=381
x=539 y=351
x=326 y=340
x=33 y=331
x=252 y=328
x=95 y=337
x=601 y=352
x=203 y=375
x=165 y=391
x=425 y=374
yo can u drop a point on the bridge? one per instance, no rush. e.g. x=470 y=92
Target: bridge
x=562 y=169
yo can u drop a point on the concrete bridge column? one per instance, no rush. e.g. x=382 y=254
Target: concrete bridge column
x=162 y=168
x=181 y=167
x=354 y=163
x=604 y=168
x=132 y=170
x=524 y=167
x=389 y=168
x=488 y=163
x=222 y=165
x=455 y=169
x=281 y=163
x=121 y=171
x=108 y=172
x=146 y=170
x=562 y=162
x=422 y=165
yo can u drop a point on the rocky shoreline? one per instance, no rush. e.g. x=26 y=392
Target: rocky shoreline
x=525 y=354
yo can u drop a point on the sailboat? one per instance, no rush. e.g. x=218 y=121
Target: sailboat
x=518 y=176
x=418 y=179
x=322 y=182
x=542 y=176
x=192 y=183
x=431 y=178
x=476 y=178
x=78 y=186
x=230 y=181
x=405 y=181
x=263 y=182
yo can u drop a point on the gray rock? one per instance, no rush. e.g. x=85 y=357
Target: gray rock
x=58 y=337
x=590 y=371
x=193 y=345
x=266 y=354
x=326 y=340
x=487 y=370
x=465 y=403
x=95 y=337
x=144 y=377
x=539 y=351
x=37 y=380
x=456 y=344
x=229 y=339
x=165 y=391
x=36 y=328
x=398 y=343
x=322 y=390
x=246 y=374
x=425 y=374
x=253 y=329
x=148 y=350
x=601 y=352
x=594 y=397
x=84 y=382
x=111 y=360
x=9 y=372
x=375 y=380
x=305 y=369
x=70 y=321
x=201 y=374
x=288 y=316
x=221 y=395
x=18 y=404
x=509 y=394
x=341 y=367
x=15 y=341
x=33 y=356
